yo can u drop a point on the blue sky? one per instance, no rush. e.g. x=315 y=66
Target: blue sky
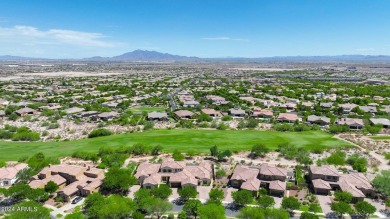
x=214 y=28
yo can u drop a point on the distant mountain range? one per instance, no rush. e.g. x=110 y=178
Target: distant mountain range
x=153 y=56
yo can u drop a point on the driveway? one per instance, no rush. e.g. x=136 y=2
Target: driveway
x=325 y=202
x=278 y=202
x=203 y=193
x=132 y=190
x=174 y=195
x=228 y=195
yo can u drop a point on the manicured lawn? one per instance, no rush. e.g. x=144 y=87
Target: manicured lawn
x=182 y=139
x=380 y=137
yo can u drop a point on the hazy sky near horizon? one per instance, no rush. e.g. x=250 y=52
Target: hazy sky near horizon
x=213 y=28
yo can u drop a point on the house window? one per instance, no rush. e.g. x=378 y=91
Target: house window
x=6 y=183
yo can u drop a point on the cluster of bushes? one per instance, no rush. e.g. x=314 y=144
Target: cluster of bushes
x=116 y=158
x=285 y=127
x=18 y=134
x=251 y=123
x=99 y=133
x=85 y=155
x=334 y=129
x=291 y=152
x=358 y=162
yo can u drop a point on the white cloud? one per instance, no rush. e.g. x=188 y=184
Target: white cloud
x=365 y=49
x=225 y=38
x=28 y=36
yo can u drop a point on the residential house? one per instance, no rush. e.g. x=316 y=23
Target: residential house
x=237 y=112
x=368 y=109
x=8 y=175
x=287 y=117
x=326 y=178
x=326 y=105
x=26 y=111
x=212 y=112
x=107 y=116
x=353 y=123
x=191 y=103
x=72 y=179
x=268 y=176
x=347 y=107
x=174 y=173
x=185 y=114
x=380 y=121
x=245 y=178
x=158 y=116
x=320 y=120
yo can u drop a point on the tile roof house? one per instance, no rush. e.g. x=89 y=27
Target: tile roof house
x=26 y=111
x=368 y=109
x=8 y=175
x=320 y=120
x=212 y=112
x=191 y=103
x=72 y=179
x=160 y=116
x=380 y=121
x=245 y=175
x=106 y=116
x=321 y=187
x=288 y=117
x=185 y=114
x=262 y=113
x=174 y=173
x=353 y=123
x=326 y=178
x=268 y=176
x=237 y=112
x=347 y=107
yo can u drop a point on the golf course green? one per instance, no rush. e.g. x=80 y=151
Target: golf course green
x=182 y=139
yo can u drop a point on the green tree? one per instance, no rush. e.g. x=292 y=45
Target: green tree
x=156 y=150
x=242 y=197
x=290 y=203
x=216 y=196
x=251 y=213
x=337 y=158
x=158 y=207
x=214 y=151
x=118 y=181
x=381 y=182
x=365 y=209
x=266 y=201
x=51 y=187
x=191 y=207
x=114 y=206
x=182 y=215
x=211 y=211
x=307 y=215
x=141 y=194
x=163 y=191
x=273 y=213
x=187 y=192
x=177 y=156
x=259 y=150
x=75 y=215
x=341 y=208
x=343 y=196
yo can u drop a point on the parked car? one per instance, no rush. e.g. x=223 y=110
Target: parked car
x=77 y=199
